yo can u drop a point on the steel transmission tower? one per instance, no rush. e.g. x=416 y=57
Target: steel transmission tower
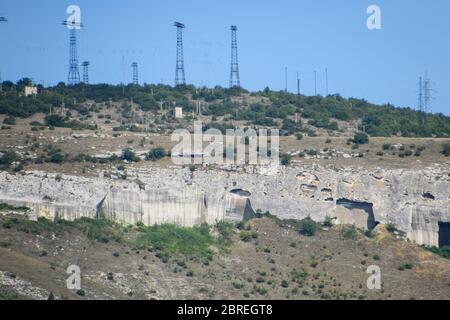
x=427 y=94
x=86 y=65
x=134 y=65
x=180 y=77
x=420 y=106
x=235 y=81
x=2 y=19
x=74 y=72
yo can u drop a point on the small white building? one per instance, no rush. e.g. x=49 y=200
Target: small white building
x=30 y=91
x=179 y=113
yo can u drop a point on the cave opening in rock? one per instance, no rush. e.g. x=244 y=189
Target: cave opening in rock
x=444 y=234
x=242 y=193
x=358 y=213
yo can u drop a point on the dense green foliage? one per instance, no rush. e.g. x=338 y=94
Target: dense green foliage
x=446 y=149
x=443 y=252
x=5 y=206
x=155 y=154
x=308 y=227
x=361 y=138
x=170 y=240
x=322 y=112
x=8 y=158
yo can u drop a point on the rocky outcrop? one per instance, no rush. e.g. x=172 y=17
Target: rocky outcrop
x=416 y=202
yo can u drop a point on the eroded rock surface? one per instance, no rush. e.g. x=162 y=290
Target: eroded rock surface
x=416 y=202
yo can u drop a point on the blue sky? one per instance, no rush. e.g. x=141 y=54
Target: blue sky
x=381 y=66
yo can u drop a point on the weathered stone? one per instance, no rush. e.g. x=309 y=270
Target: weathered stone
x=176 y=195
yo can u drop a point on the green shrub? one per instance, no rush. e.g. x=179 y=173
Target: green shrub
x=172 y=240
x=286 y=159
x=247 y=235
x=226 y=231
x=369 y=234
x=81 y=293
x=5 y=206
x=130 y=156
x=155 y=154
x=8 y=158
x=10 y=121
x=349 y=233
x=387 y=146
x=7 y=224
x=405 y=266
x=446 y=149
x=390 y=227
x=57 y=158
x=101 y=230
x=361 y=138
x=238 y=285
x=443 y=252
x=328 y=223
x=308 y=227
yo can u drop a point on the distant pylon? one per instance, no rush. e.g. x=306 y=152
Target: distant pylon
x=285 y=79
x=86 y=65
x=427 y=94
x=421 y=115
x=420 y=106
x=2 y=19
x=235 y=81
x=298 y=84
x=180 y=76
x=74 y=72
x=135 y=73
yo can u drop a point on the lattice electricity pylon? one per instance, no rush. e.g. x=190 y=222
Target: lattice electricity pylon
x=235 y=81
x=86 y=65
x=2 y=19
x=74 y=72
x=180 y=77
x=134 y=65
x=427 y=94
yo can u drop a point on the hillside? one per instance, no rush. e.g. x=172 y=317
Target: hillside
x=149 y=108
x=264 y=258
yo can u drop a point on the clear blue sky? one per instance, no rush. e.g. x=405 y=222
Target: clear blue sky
x=381 y=66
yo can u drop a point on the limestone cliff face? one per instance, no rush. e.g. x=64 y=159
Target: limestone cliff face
x=164 y=199
x=415 y=201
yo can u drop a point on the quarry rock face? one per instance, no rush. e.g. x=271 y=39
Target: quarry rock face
x=417 y=202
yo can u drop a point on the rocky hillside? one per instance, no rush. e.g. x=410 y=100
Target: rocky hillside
x=264 y=258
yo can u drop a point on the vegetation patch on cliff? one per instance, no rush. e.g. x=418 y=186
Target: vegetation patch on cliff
x=196 y=242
